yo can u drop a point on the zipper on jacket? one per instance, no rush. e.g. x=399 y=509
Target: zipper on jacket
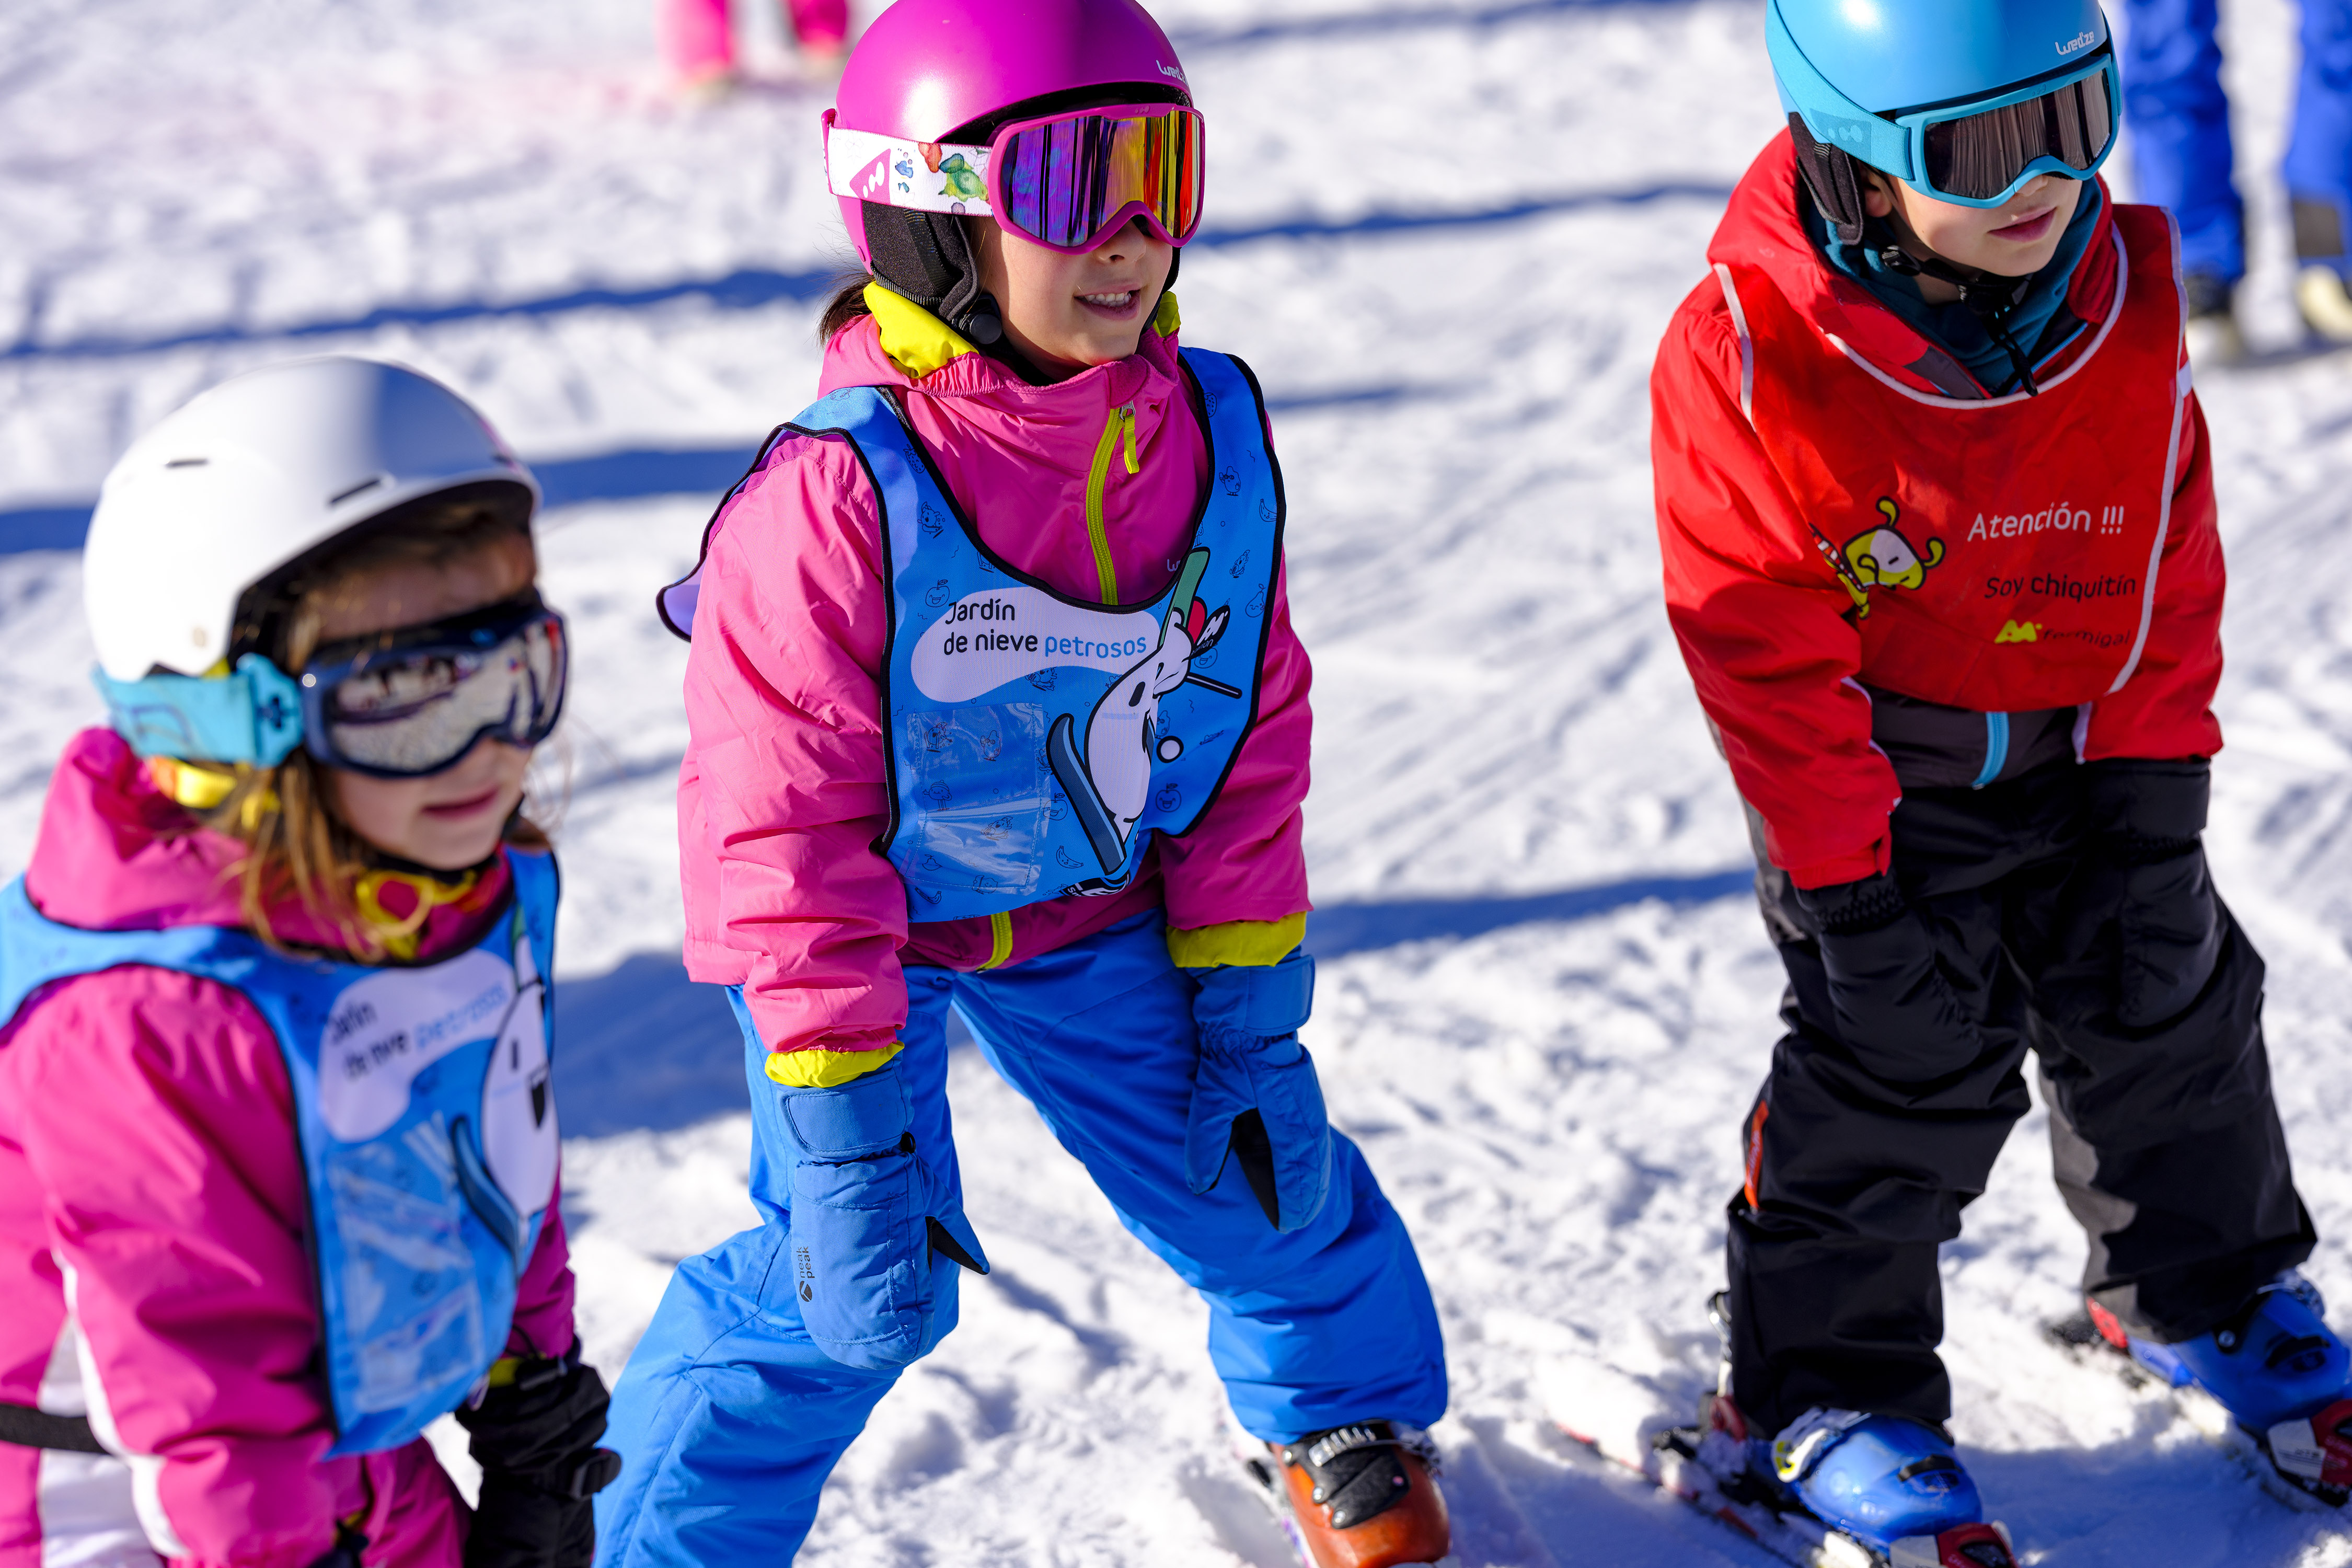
x=1121 y=424
x=1000 y=945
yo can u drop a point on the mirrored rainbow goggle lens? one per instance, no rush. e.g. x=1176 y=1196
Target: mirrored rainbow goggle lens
x=1069 y=182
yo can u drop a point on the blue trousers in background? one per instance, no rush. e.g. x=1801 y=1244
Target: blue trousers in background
x=2179 y=120
x=727 y=1418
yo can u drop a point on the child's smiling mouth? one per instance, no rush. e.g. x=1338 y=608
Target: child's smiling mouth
x=2028 y=229
x=1118 y=304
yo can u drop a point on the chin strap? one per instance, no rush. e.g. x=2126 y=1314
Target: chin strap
x=1992 y=296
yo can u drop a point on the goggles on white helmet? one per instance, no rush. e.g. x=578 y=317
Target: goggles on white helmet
x=411 y=702
x=1068 y=182
x=401 y=704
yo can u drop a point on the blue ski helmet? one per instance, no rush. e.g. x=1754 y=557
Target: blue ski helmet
x=1965 y=100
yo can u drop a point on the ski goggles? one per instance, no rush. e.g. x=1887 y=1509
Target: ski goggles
x=1068 y=182
x=412 y=702
x=1982 y=154
x=1975 y=153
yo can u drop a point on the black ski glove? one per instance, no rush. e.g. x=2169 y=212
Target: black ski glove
x=535 y=1439
x=1894 y=1010
x=2145 y=870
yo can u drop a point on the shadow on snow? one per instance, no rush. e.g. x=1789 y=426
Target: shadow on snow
x=639 y=473
x=754 y=287
x=642 y=1046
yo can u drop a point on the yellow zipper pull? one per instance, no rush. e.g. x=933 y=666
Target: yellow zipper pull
x=1127 y=430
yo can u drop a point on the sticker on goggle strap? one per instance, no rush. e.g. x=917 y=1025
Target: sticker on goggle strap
x=928 y=176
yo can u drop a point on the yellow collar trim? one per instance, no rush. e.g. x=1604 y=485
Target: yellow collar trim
x=917 y=341
x=200 y=788
x=197 y=788
x=397 y=934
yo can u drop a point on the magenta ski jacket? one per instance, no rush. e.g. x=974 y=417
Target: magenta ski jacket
x=1091 y=484
x=147 y=1152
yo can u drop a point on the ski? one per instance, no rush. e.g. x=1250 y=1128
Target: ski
x=2322 y=1453
x=1617 y=1417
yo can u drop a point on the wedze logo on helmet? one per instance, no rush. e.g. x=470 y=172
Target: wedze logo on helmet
x=2077 y=43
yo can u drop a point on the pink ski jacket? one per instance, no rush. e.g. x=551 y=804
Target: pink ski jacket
x=782 y=793
x=153 y=1207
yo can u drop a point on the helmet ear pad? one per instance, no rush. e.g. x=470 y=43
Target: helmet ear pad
x=1829 y=175
x=926 y=256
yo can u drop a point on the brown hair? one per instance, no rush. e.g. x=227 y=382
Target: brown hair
x=848 y=303
x=296 y=842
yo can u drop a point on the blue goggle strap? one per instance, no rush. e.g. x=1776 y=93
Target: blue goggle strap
x=252 y=716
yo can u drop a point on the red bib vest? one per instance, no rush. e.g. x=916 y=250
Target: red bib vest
x=2000 y=553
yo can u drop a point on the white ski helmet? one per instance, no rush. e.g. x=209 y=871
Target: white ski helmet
x=253 y=476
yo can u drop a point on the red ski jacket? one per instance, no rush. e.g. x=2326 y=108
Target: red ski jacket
x=1857 y=533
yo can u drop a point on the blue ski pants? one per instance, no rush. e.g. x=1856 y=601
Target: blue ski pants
x=727 y=1418
x=2182 y=156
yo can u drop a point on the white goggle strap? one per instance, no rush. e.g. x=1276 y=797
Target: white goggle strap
x=928 y=176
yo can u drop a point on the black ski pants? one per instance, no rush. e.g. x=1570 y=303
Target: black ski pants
x=2069 y=911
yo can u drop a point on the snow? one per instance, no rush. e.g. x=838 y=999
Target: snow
x=1448 y=236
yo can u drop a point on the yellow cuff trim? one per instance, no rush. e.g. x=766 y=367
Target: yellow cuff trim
x=917 y=341
x=1246 y=944
x=820 y=1068
x=502 y=1371
x=1164 y=319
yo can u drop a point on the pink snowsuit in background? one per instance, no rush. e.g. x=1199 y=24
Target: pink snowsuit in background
x=147 y=1145
x=699 y=35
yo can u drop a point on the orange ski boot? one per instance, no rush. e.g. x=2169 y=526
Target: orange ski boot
x=1363 y=1496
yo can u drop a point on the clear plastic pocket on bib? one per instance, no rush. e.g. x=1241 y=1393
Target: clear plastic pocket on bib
x=976 y=810
x=411 y=1308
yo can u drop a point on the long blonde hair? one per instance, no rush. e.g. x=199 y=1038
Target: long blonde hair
x=295 y=842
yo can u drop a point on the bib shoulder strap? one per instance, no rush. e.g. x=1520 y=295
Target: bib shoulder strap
x=36 y=950
x=1229 y=390
x=538 y=882
x=864 y=414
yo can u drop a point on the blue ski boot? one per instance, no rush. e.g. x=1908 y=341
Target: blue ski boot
x=2280 y=1371
x=1889 y=1483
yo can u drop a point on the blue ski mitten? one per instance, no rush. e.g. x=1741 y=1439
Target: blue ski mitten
x=869 y=1218
x=1256 y=1097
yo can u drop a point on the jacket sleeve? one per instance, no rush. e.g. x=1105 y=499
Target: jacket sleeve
x=158 y=1126
x=2164 y=711
x=784 y=713
x=542 y=1315
x=1244 y=861
x=1761 y=616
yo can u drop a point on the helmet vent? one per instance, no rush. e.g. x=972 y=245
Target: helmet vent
x=360 y=488
x=187 y=462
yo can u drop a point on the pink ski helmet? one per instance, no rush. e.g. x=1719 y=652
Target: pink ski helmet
x=929 y=68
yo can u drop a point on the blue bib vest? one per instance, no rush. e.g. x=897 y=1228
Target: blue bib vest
x=426 y=1124
x=1038 y=741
